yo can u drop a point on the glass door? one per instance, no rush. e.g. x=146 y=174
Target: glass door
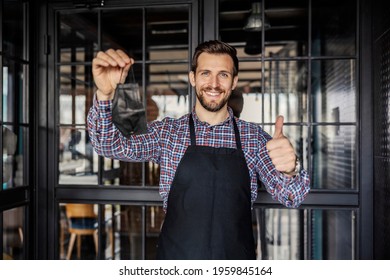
x=299 y=59
x=122 y=206
x=15 y=132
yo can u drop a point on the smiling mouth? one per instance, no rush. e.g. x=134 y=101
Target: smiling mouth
x=211 y=93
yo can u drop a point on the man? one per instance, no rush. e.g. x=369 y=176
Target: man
x=209 y=160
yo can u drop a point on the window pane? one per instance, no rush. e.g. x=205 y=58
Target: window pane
x=167 y=91
x=122 y=29
x=167 y=27
x=279 y=234
x=15 y=156
x=285 y=91
x=14 y=32
x=334 y=157
x=334 y=27
x=77 y=160
x=76 y=94
x=15 y=92
x=13 y=234
x=287 y=35
x=78 y=231
x=125 y=234
x=285 y=234
x=77 y=37
x=130 y=173
x=249 y=87
x=334 y=91
x=333 y=234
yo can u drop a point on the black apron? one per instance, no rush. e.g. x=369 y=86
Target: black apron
x=209 y=205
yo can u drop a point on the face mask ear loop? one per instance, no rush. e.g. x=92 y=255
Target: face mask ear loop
x=120 y=77
x=132 y=74
x=135 y=93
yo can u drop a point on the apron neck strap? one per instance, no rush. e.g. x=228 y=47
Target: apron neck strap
x=193 y=135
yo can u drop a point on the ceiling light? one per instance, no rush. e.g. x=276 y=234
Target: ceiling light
x=255 y=21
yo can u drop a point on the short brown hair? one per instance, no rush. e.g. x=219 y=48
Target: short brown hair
x=215 y=47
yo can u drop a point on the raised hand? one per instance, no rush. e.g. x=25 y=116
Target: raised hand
x=281 y=151
x=108 y=69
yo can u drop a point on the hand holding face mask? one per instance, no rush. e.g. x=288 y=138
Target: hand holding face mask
x=110 y=70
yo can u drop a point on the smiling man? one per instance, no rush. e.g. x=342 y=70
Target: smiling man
x=210 y=161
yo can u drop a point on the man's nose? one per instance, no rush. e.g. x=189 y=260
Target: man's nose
x=214 y=81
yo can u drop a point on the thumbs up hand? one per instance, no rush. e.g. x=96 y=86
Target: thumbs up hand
x=281 y=151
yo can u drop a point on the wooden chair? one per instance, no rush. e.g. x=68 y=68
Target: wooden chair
x=81 y=221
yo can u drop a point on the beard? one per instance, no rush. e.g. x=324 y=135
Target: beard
x=212 y=106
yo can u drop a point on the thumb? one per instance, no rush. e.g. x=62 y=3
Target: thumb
x=279 y=127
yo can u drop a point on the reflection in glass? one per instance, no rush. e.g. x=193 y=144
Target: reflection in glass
x=334 y=27
x=78 y=231
x=334 y=91
x=278 y=234
x=15 y=92
x=334 y=157
x=128 y=234
x=333 y=233
x=76 y=94
x=76 y=157
x=15 y=156
x=77 y=37
x=167 y=91
x=285 y=91
x=13 y=234
x=288 y=32
x=282 y=234
x=14 y=29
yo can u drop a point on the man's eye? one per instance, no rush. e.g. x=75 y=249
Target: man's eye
x=224 y=75
x=204 y=73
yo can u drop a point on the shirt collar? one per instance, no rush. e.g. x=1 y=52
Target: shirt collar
x=227 y=121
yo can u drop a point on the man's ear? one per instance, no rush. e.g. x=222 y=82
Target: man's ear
x=191 y=76
x=235 y=81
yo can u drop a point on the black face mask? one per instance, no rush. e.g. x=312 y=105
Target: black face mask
x=128 y=111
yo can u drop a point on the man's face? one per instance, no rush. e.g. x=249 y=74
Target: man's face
x=213 y=80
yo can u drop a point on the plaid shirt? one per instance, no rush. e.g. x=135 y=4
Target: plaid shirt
x=167 y=140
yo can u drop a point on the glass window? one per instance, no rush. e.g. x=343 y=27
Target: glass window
x=13 y=234
x=334 y=157
x=285 y=91
x=78 y=231
x=75 y=94
x=129 y=234
x=77 y=160
x=77 y=37
x=333 y=27
x=123 y=29
x=333 y=234
x=15 y=92
x=286 y=28
x=15 y=156
x=14 y=31
x=334 y=91
x=285 y=234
